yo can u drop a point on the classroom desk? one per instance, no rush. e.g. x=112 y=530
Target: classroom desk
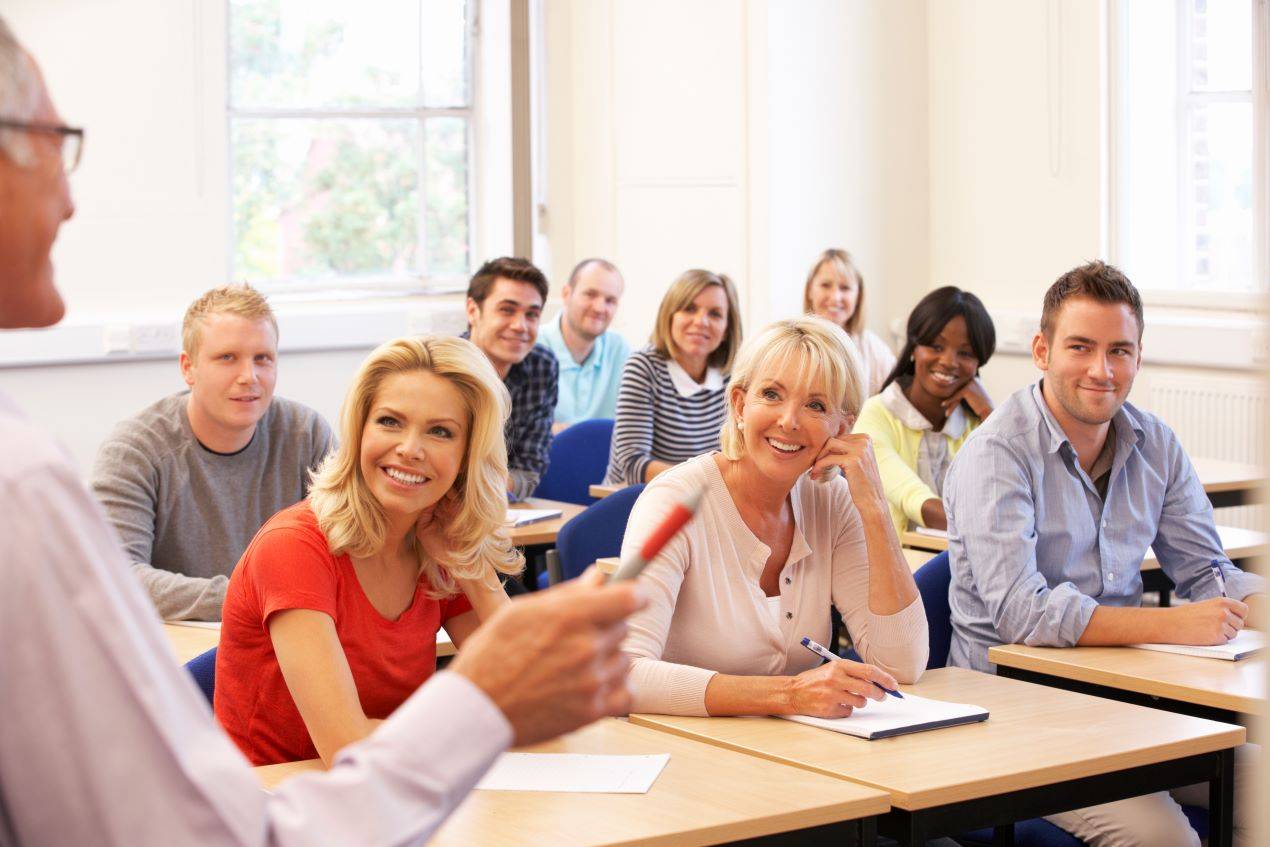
x=191 y=641
x=543 y=532
x=919 y=541
x=1208 y=688
x=705 y=795
x=600 y=491
x=1229 y=483
x=1237 y=542
x=1041 y=751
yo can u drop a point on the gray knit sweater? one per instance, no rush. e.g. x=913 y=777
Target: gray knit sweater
x=185 y=514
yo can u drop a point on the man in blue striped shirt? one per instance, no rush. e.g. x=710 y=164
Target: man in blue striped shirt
x=1053 y=503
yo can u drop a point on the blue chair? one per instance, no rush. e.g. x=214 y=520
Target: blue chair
x=579 y=458
x=203 y=668
x=933 y=579
x=595 y=533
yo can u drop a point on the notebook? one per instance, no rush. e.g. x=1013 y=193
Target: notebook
x=1245 y=643
x=523 y=517
x=933 y=533
x=892 y=716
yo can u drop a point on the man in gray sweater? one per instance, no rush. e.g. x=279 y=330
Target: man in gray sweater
x=189 y=480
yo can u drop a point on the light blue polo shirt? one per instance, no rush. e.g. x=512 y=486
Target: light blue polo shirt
x=587 y=390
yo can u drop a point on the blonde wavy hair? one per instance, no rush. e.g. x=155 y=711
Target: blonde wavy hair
x=823 y=351
x=682 y=292
x=476 y=540
x=842 y=260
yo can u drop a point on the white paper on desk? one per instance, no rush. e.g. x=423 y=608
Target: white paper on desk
x=892 y=716
x=574 y=773
x=197 y=624
x=523 y=517
x=933 y=533
x=1245 y=643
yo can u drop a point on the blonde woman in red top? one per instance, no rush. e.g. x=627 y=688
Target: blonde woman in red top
x=331 y=615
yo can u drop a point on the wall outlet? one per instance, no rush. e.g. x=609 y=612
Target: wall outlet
x=155 y=338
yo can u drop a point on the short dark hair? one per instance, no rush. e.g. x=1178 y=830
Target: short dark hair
x=581 y=266
x=505 y=267
x=929 y=317
x=1096 y=280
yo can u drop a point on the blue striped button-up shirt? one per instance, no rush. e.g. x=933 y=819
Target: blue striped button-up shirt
x=1034 y=549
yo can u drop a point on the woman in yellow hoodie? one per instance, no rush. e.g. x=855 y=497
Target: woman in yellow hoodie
x=930 y=403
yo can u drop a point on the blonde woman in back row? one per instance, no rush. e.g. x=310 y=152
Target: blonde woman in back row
x=793 y=521
x=835 y=292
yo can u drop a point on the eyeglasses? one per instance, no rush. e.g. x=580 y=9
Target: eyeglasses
x=72 y=139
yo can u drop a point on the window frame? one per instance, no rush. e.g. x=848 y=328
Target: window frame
x=1220 y=300
x=370 y=285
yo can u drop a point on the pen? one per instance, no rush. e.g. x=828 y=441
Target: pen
x=682 y=512
x=1215 y=564
x=825 y=654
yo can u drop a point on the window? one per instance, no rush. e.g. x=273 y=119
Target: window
x=350 y=144
x=1188 y=211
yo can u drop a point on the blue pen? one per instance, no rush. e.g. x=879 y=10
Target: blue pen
x=1215 y=564
x=825 y=654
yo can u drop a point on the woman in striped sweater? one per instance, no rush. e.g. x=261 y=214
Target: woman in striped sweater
x=672 y=398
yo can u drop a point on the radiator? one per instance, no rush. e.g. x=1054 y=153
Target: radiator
x=1218 y=418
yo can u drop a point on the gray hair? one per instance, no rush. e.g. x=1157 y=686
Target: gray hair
x=19 y=94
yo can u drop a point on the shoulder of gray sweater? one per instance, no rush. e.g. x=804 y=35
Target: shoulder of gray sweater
x=156 y=430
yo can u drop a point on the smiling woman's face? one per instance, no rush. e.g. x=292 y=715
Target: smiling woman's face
x=788 y=419
x=698 y=328
x=414 y=441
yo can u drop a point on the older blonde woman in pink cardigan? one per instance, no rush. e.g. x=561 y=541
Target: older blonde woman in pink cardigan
x=793 y=521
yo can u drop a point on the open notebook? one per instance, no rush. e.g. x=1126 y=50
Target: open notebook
x=1245 y=643
x=522 y=517
x=893 y=716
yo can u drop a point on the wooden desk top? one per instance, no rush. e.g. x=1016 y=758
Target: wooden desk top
x=543 y=532
x=1238 y=544
x=705 y=795
x=1034 y=736
x=191 y=641
x=916 y=557
x=1234 y=686
x=920 y=541
x=599 y=492
x=1216 y=475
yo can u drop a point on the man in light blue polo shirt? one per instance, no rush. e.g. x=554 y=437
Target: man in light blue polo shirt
x=590 y=356
x=1052 y=505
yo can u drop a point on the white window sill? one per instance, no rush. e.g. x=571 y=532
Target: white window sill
x=304 y=325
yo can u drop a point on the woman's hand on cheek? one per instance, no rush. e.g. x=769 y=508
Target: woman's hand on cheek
x=852 y=454
x=432 y=525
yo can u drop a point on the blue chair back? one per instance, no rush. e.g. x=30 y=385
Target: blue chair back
x=933 y=579
x=203 y=668
x=596 y=532
x=579 y=458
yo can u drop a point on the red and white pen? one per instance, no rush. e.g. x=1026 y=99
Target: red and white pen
x=679 y=516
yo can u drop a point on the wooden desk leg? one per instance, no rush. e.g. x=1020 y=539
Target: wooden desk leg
x=1221 y=801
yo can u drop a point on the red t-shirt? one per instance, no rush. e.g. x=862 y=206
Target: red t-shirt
x=288 y=566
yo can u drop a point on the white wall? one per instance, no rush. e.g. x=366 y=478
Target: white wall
x=1018 y=160
x=743 y=137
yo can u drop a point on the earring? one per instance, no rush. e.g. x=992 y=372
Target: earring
x=740 y=424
